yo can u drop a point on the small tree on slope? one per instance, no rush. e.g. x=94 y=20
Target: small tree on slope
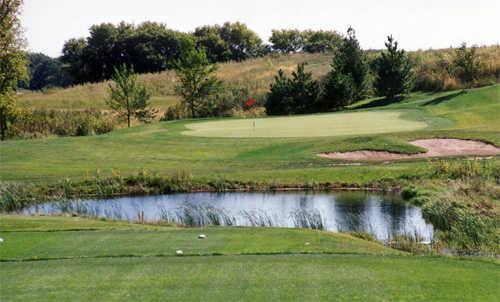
x=393 y=71
x=348 y=80
x=128 y=97
x=197 y=79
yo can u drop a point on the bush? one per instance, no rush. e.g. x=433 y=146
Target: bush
x=298 y=94
x=348 y=80
x=39 y=123
x=393 y=71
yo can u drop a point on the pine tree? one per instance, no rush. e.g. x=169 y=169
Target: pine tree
x=305 y=90
x=348 y=80
x=393 y=71
x=294 y=95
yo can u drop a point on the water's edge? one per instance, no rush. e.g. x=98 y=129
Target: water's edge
x=381 y=215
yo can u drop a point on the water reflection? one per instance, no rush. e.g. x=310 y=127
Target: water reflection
x=380 y=215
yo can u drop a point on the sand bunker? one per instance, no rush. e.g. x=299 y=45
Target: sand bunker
x=435 y=148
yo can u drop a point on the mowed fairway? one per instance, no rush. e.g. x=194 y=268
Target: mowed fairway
x=76 y=259
x=335 y=124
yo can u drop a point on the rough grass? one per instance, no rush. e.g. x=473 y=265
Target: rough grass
x=335 y=124
x=137 y=263
x=255 y=75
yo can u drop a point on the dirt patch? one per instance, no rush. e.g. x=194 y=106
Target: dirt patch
x=435 y=148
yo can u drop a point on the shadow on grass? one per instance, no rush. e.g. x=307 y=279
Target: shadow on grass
x=444 y=98
x=380 y=102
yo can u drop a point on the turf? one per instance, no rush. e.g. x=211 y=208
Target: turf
x=119 y=261
x=340 y=124
x=59 y=237
x=163 y=148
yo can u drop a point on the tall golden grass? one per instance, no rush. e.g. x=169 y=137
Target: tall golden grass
x=257 y=74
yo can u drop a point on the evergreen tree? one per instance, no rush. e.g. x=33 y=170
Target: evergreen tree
x=305 y=90
x=348 y=80
x=393 y=71
x=297 y=94
x=279 y=99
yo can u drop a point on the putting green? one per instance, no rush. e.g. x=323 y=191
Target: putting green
x=334 y=124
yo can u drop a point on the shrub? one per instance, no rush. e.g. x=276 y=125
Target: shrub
x=38 y=123
x=393 y=71
x=348 y=80
x=298 y=94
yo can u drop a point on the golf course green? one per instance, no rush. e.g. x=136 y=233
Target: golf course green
x=340 y=124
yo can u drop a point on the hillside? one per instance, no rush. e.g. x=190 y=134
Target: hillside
x=254 y=74
x=470 y=115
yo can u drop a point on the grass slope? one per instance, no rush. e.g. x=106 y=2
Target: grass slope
x=163 y=148
x=254 y=74
x=134 y=262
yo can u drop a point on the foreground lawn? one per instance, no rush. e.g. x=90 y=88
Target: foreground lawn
x=251 y=278
x=76 y=237
x=108 y=261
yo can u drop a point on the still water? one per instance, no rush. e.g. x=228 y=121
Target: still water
x=383 y=216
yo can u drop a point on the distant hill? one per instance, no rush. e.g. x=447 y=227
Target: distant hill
x=256 y=75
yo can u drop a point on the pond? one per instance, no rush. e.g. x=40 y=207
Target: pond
x=383 y=216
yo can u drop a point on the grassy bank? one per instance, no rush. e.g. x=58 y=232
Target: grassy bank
x=162 y=148
x=97 y=260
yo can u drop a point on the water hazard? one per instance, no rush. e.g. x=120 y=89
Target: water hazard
x=383 y=216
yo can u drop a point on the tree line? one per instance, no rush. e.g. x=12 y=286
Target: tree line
x=353 y=77
x=152 y=47
x=350 y=79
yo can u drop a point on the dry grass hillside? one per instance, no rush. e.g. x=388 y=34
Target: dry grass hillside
x=256 y=75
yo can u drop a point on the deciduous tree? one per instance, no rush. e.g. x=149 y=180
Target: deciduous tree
x=466 y=65
x=128 y=97
x=12 y=60
x=197 y=79
x=286 y=40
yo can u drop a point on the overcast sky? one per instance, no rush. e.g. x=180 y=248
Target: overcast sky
x=417 y=24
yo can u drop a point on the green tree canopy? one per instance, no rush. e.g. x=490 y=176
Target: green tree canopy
x=231 y=41
x=348 y=80
x=44 y=72
x=286 y=40
x=320 y=40
x=466 y=65
x=149 y=47
x=197 y=79
x=128 y=97
x=393 y=71
x=295 y=95
x=12 y=60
